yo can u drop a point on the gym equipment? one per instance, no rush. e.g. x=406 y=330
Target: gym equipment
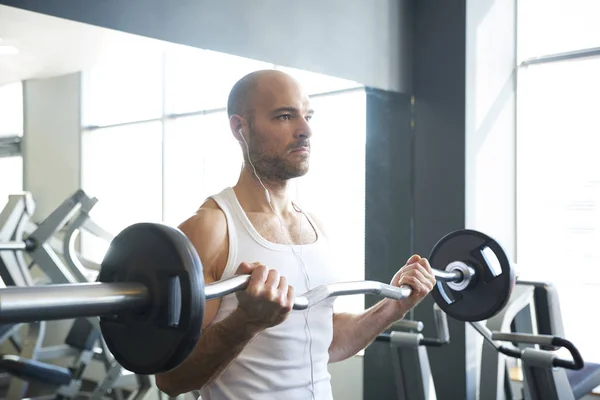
x=533 y=308
x=544 y=372
x=82 y=221
x=543 y=316
x=69 y=218
x=29 y=349
x=13 y=220
x=36 y=244
x=410 y=358
x=151 y=293
x=66 y=383
x=494 y=379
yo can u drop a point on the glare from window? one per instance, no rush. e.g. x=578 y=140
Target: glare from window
x=314 y=83
x=11 y=172
x=201 y=158
x=334 y=187
x=165 y=170
x=122 y=168
x=556 y=26
x=127 y=90
x=11 y=109
x=201 y=79
x=559 y=188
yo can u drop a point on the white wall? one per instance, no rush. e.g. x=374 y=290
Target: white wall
x=347 y=379
x=51 y=151
x=51 y=141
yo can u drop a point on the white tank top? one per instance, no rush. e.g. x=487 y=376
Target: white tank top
x=276 y=364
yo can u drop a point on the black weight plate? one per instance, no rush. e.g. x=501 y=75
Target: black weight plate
x=494 y=275
x=154 y=340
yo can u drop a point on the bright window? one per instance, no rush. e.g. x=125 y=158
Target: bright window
x=201 y=158
x=11 y=173
x=165 y=169
x=559 y=188
x=200 y=79
x=11 y=109
x=122 y=167
x=314 y=83
x=557 y=26
x=11 y=124
x=124 y=89
x=329 y=181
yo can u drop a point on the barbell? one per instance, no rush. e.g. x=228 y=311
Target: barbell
x=25 y=245
x=150 y=294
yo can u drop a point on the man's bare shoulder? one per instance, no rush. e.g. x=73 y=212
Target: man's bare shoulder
x=208 y=217
x=207 y=230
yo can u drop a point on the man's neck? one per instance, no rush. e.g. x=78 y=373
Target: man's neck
x=253 y=198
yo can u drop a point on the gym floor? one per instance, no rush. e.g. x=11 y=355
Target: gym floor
x=39 y=390
x=517 y=384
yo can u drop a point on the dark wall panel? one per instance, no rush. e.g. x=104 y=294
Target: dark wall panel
x=416 y=186
x=440 y=125
x=388 y=214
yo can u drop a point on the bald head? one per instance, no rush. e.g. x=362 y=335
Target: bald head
x=255 y=85
x=269 y=116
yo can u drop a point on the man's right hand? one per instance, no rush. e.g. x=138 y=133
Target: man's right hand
x=268 y=299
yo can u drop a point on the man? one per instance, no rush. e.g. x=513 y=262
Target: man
x=253 y=345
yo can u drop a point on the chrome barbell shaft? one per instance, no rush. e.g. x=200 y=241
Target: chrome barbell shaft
x=321 y=293
x=66 y=301
x=313 y=296
x=52 y=302
x=447 y=276
x=239 y=282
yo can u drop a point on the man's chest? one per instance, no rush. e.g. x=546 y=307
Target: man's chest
x=283 y=231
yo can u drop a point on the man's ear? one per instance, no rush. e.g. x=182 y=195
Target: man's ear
x=236 y=123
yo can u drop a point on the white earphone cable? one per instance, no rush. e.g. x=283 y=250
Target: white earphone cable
x=299 y=258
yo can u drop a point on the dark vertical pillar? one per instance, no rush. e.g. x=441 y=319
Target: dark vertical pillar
x=388 y=215
x=416 y=187
x=439 y=191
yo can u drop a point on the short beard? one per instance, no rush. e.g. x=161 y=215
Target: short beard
x=268 y=166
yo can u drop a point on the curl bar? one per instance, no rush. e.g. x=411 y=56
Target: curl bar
x=151 y=293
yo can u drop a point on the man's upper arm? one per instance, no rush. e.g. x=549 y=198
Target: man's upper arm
x=207 y=230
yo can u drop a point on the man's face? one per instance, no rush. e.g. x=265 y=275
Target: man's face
x=278 y=143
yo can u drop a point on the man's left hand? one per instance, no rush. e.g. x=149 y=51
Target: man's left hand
x=417 y=274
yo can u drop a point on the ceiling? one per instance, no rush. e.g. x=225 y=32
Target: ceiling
x=50 y=46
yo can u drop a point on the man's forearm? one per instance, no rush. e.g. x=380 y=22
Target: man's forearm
x=218 y=346
x=354 y=332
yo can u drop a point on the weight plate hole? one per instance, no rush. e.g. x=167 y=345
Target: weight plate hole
x=491 y=261
x=174 y=299
x=446 y=292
